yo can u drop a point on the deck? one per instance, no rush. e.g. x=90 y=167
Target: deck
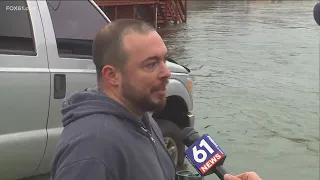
x=159 y=13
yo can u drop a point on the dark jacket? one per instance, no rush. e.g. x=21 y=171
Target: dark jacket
x=101 y=140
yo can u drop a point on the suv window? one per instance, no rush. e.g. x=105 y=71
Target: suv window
x=16 y=35
x=75 y=25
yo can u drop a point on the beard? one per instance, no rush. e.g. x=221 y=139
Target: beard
x=142 y=101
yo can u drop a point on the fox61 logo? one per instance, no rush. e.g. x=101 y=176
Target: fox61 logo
x=204 y=154
x=17 y=8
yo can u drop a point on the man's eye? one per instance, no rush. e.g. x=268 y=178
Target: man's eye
x=151 y=65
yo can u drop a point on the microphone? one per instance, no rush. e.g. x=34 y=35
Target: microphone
x=203 y=153
x=316 y=13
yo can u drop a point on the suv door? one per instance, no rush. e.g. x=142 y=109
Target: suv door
x=24 y=89
x=70 y=28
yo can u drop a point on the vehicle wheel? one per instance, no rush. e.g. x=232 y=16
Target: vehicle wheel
x=172 y=138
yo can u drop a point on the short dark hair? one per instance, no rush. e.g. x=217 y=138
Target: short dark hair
x=107 y=47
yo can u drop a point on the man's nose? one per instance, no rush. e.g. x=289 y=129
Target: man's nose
x=165 y=73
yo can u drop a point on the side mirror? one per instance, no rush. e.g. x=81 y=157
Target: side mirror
x=316 y=13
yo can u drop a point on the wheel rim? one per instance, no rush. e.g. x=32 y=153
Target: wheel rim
x=172 y=149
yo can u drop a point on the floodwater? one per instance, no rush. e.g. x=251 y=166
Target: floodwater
x=255 y=66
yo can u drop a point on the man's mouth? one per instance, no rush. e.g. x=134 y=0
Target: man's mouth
x=161 y=90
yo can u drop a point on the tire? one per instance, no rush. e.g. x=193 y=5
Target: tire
x=172 y=132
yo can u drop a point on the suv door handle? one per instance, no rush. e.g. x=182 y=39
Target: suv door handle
x=59 y=84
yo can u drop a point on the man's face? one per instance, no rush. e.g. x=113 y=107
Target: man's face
x=145 y=76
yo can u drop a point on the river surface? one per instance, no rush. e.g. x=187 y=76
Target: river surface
x=255 y=66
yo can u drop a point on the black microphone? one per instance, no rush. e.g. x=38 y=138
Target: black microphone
x=203 y=153
x=316 y=13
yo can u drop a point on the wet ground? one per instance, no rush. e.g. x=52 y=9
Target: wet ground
x=255 y=66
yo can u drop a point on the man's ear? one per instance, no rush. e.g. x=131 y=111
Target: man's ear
x=110 y=75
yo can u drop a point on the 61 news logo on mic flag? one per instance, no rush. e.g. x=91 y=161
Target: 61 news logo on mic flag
x=204 y=153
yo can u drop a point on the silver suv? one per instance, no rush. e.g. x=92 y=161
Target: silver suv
x=45 y=54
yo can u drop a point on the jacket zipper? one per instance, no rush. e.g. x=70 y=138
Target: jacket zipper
x=166 y=151
x=153 y=144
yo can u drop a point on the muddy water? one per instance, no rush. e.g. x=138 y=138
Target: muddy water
x=255 y=66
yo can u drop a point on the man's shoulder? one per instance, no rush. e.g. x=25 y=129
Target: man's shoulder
x=89 y=136
x=90 y=141
x=91 y=125
x=84 y=150
x=96 y=142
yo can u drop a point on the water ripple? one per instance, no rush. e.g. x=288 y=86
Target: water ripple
x=255 y=66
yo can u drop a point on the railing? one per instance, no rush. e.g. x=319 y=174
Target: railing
x=118 y=9
x=172 y=10
x=156 y=12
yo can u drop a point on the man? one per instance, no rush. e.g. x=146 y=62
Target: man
x=108 y=134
